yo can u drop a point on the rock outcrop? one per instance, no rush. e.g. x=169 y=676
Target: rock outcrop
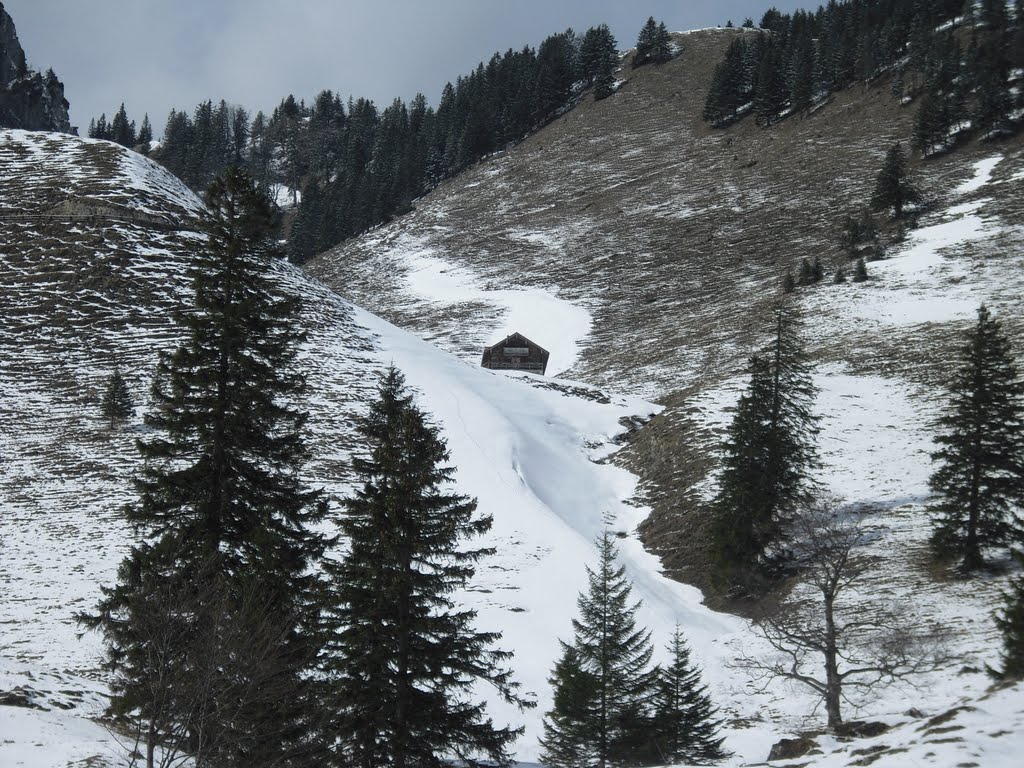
x=28 y=99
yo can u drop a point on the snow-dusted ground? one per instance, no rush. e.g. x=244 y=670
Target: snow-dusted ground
x=534 y=456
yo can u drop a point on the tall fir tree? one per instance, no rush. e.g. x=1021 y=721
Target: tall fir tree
x=121 y=130
x=608 y=664
x=662 y=49
x=145 y=134
x=645 y=43
x=599 y=59
x=770 y=453
x=1010 y=621
x=685 y=725
x=893 y=188
x=400 y=657
x=117 y=399
x=730 y=86
x=980 y=473
x=221 y=504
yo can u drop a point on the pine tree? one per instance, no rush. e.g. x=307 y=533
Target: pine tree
x=1010 y=622
x=599 y=59
x=840 y=276
x=117 y=399
x=770 y=91
x=980 y=477
x=662 y=49
x=645 y=43
x=685 y=726
x=817 y=270
x=145 y=134
x=570 y=728
x=609 y=660
x=400 y=657
x=221 y=505
x=769 y=453
x=122 y=131
x=893 y=188
x=788 y=282
x=860 y=271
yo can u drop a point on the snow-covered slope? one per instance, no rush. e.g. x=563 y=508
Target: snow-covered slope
x=643 y=249
x=92 y=266
x=531 y=452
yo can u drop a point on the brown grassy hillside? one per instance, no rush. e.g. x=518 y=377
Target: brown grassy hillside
x=676 y=238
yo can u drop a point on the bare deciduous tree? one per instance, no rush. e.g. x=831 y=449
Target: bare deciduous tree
x=833 y=645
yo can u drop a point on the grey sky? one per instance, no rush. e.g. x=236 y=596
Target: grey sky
x=159 y=54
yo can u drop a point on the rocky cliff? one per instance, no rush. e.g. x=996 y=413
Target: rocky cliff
x=28 y=99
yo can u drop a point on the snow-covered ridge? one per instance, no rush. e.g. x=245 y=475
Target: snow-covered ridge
x=49 y=171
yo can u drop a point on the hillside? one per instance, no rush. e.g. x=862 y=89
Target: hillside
x=673 y=239
x=92 y=274
x=642 y=250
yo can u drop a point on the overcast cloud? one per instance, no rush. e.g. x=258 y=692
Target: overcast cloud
x=157 y=54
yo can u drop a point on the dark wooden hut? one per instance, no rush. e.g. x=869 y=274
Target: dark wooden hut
x=517 y=353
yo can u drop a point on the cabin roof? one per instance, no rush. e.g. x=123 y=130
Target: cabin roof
x=516 y=340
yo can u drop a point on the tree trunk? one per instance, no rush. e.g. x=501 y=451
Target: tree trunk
x=833 y=683
x=972 y=549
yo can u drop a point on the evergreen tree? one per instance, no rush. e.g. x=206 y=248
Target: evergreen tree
x=645 y=43
x=980 y=477
x=122 y=131
x=400 y=657
x=599 y=59
x=662 y=49
x=893 y=189
x=770 y=91
x=1010 y=622
x=788 y=282
x=684 y=722
x=860 y=271
x=806 y=273
x=730 y=87
x=817 y=270
x=145 y=134
x=570 y=728
x=840 y=276
x=769 y=453
x=117 y=400
x=609 y=661
x=221 y=506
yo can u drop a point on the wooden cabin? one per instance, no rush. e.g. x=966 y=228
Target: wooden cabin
x=517 y=353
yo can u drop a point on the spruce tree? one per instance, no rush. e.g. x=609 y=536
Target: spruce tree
x=817 y=270
x=645 y=43
x=1010 y=622
x=893 y=189
x=770 y=453
x=609 y=661
x=221 y=505
x=860 y=271
x=662 y=49
x=400 y=657
x=730 y=86
x=685 y=725
x=145 y=134
x=117 y=400
x=980 y=477
x=599 y=59
x=570 y=727
x=121 y=130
